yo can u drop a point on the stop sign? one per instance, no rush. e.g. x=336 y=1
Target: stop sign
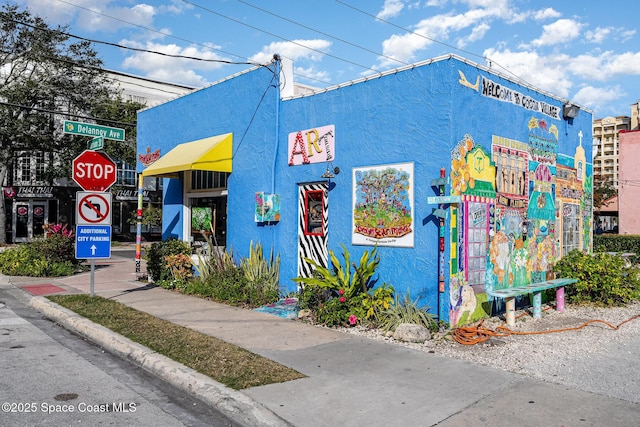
x=94 y=171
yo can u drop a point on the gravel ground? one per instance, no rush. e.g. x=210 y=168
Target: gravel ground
x=595 y=358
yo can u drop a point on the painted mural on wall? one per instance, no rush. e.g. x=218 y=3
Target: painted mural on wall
x=473 y=179
x=523 y=205
x=383 y=205
x=267 y=207
x=315 y=145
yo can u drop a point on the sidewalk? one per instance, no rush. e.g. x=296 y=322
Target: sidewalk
x=351 y=381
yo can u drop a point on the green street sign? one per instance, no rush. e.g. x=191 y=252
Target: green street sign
x=89 y=129
x=96 y=143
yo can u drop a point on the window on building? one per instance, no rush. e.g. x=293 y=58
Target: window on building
x=206 y=180
x=30 y=168
x=570 y=228
x=40 y=166
x=126 y=174
x=477 y=243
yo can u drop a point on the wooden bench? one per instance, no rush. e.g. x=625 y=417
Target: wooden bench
x=536 y=289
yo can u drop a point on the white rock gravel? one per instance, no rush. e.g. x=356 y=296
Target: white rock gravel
x=595 y=358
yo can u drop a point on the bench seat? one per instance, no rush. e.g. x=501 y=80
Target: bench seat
x=536 y=289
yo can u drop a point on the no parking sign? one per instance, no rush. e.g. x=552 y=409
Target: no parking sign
x=93 y=208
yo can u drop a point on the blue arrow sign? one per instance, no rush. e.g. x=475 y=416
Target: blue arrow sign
x=93 y=241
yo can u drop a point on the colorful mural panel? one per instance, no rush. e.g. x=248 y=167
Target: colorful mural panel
x=520 y=209
x=473 y=177
x=267 y=207
x=383 y=205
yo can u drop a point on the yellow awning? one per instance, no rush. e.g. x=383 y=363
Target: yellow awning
x=208 y=154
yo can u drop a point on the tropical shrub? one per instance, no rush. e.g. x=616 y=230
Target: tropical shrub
x=603 y=279
x=156 y=254
x=407 y=311
x=263 y=274
x=26 y=260
x=181 y=271
x=50 y=256
x=231 y=286
x=341 y=311
x=340 y=276
x=342 y=294
x=377 y=301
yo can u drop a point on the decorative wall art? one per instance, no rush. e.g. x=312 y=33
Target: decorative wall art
x=383 y=205
x=267 y=207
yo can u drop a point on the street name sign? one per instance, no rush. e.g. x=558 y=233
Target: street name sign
x=89 y=129
x=93 y=241
x=97 y=143
x=93 y=208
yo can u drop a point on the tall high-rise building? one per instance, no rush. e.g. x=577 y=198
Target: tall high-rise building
x=605 y=161
x=635 y=116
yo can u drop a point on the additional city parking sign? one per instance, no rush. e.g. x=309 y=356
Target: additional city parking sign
x=93 y=208
x=93 y=241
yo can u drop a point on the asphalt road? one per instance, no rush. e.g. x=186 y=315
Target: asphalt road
x=49 y=376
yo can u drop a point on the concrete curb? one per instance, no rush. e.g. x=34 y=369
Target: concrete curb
x=235 y=405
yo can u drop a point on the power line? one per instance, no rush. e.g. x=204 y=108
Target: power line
x=79 y=116
x=489 y=60
x=152 y=30
x=135 y=48
x=281 y=38
x=106 y=71
x=323 y=33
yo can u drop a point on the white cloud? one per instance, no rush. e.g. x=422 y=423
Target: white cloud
x=605 y=66
x=91 y=15
x=561 y=31
x=545 y=72
x=626 y=35
x=113 y=19
x=312 y=74
x=295 y=50
x=598 y=35
x=390 y=9
x=440 y=28
x=548 y=13
x=167 y=68
x=597 y=98
x=478 y=33
x=625 y=63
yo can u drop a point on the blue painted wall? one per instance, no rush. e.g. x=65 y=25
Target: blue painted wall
x=414 y=115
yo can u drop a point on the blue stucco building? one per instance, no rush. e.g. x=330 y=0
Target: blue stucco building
x=465 y=180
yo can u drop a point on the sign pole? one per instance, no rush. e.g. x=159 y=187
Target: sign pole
x=139 y=223
x=93 y=269
x=441 y=233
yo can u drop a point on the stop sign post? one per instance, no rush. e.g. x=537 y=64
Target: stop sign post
x=94 y=171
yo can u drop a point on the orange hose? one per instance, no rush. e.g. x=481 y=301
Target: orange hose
x=470 y=335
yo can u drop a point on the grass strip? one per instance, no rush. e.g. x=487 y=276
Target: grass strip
x=226 y=363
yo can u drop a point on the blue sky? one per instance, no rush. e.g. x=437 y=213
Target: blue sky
x=587 y=51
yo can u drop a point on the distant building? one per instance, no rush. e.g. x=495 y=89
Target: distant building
x=629 y=183
x=635 y=116
x=605 y=161
x=31 y=202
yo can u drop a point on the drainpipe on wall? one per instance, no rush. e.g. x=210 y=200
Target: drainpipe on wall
x=276 y=62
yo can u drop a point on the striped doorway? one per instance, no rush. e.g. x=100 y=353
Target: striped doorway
x=313 y=206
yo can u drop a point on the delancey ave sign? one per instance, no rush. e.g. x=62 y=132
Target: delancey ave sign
x=89 y=129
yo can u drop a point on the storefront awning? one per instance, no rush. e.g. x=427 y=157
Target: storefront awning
x=208 y=154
